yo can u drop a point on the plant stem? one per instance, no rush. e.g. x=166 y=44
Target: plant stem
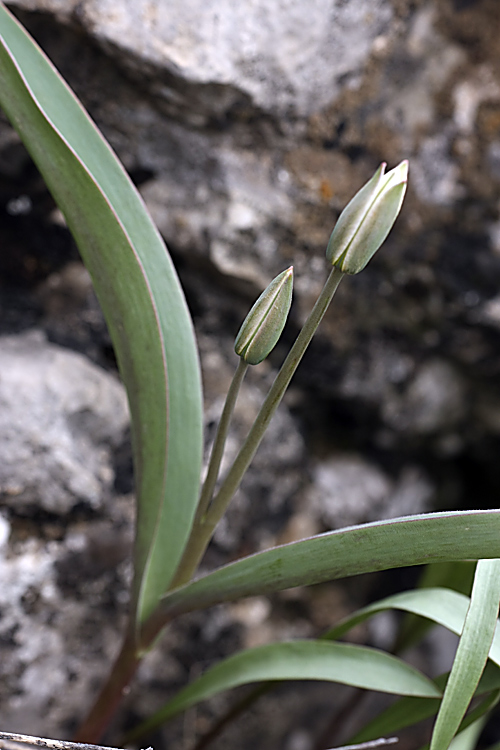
x=220 y=439
x=272 y=400
x=204 y=527
x=108 y=700
x=188 y=564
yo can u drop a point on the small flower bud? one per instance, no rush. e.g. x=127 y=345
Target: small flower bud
x=264 y=323
x=367 y=220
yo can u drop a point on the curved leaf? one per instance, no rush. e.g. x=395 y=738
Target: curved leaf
x=412 y=540
x=468 y=736
x=443 y=606
x=472 y=653
x=139 y=293
x=452 y=575
x=408 y=711
x=359 y=666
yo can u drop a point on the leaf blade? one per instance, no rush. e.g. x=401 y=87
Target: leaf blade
x=409 y=711
x=139 y=292
x=472 y=653
x=443 y=606
x=347 y=664
x=412 y=540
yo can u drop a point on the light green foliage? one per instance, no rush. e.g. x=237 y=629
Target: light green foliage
x=439 y=605
x=399 y=542
x=140 y=296
x=153 y=338
x=358 y=666
x=473 y=648
x=407 y=712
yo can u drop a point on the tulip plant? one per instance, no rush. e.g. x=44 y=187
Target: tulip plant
x=156 y=350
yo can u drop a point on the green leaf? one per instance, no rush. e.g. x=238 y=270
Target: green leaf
x=458 y=576
x=413 y=540
x=139 y=293
x=473 y=717
x=408 y=711
x=468 y=737
x=299 y=660
x=442 y=606
x=472 y=653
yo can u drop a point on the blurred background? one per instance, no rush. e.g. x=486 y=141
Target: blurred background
x=247 y=127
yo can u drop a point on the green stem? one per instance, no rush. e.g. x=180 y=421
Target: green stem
x=220 y=439
x=190 y=559
x=205 y=526
x=272 y=401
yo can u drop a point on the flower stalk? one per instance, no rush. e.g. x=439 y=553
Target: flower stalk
x=203 y=531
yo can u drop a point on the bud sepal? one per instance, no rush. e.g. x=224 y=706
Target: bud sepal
x=367 y=220
x=264 y=323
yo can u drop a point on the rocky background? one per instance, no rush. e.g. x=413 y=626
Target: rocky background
x=247 y=127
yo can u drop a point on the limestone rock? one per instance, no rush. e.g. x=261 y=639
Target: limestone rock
x=282 y=57
x=59 y=418
x=348 y=490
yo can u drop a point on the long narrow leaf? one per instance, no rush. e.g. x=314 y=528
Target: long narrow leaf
x=473 y=719
x=468 y=737
x=408 y=711
x=139 y=293
x=443 y=606
x=413 y=540
x=458 y=576
x=300 y=660
x=472 y=653
x=478 y=713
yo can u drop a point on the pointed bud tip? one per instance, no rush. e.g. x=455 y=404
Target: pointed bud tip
x=399 y=174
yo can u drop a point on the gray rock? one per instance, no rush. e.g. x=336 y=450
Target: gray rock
x=60 y=416
x=434 y=401
x=348 y=490
x=283 y=57
x=62 y=602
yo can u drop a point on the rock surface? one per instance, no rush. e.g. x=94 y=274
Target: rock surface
x=281 y=57
x=60 y=417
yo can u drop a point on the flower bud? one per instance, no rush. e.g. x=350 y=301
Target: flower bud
x=367 y=220
x=264 y=323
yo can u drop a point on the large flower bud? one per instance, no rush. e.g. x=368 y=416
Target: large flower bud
x=367 y=220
